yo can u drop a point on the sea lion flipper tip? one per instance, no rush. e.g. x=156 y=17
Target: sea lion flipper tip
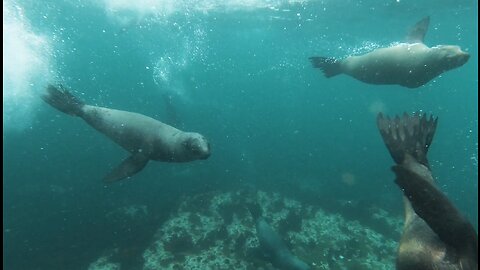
x=330 y=66
x=418 y=31
x=407 y=135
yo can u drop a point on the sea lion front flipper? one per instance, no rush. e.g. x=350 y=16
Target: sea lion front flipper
x=127 y=168
x=418 y=31
x=410 y=135
x=436 y=210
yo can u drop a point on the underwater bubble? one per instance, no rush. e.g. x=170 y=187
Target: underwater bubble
x=26 y=68
x=377 y=106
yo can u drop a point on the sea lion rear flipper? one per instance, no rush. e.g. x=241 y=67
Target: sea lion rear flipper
x=410 y=135
x=62 y=100
x=127 y=168
x=330 y=66
x=418 y=31
x=436 y=210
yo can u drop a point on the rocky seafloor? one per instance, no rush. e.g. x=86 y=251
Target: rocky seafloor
x=216 y=231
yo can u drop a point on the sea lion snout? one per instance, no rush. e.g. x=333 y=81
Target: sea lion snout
x=459 y=57
x=198 y=146
x=205 y=151
x=453 y=56
x=206 y=155
x=463 y=57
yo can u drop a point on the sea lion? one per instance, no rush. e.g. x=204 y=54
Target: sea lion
x=272 y=245
x=144 y=137
x=410 y=64
x=435 y=234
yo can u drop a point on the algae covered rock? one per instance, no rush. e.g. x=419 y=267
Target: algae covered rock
x=216 y=231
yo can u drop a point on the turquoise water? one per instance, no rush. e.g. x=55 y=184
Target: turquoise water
x=237 y=72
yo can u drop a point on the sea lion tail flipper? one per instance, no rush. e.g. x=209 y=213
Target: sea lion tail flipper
x=62 y=100
x=436 y=210
x=410 y=135
x=127 y=168
x=418 y=31
x=330 y=66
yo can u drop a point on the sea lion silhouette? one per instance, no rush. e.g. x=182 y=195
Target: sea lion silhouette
x=272 y=245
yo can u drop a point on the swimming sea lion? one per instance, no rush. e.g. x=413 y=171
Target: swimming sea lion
x=410 y=64
x=435 y=234
x=272 y=245
x=144 y=137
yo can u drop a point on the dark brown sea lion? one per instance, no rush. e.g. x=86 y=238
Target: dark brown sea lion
x=436 y=236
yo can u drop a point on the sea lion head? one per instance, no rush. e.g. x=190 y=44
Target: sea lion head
x=197 y=146
x=452 y=56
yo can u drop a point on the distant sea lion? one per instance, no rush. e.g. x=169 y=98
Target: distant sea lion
x=144 y=137
x=435 y=236
x=272 y=245
x=410 y=64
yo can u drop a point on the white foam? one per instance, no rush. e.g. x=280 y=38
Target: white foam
x=26 y=68
x=170 y=69
x=128 y=11
x=366 y=47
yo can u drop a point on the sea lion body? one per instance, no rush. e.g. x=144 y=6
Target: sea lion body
x=144 y=137
x=139 y=133
x=405 y=64
x=411 y=64
x=420 y=247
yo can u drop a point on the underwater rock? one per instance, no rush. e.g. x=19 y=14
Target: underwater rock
x=132 y=212
x=103 y=263
x=215 y=231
